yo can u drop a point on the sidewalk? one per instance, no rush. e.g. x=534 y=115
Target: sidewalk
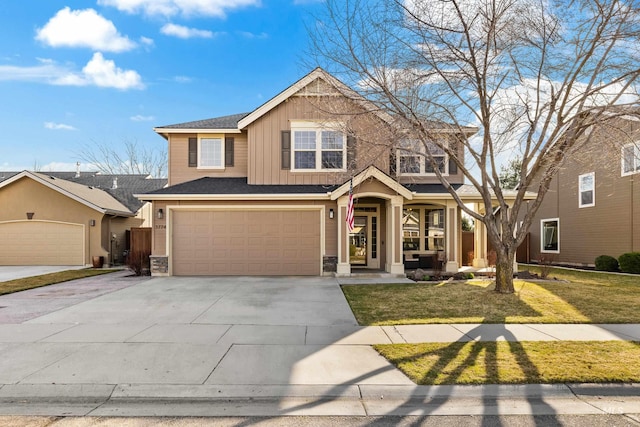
x=122 y=346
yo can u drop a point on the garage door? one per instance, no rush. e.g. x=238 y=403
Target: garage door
x=41 y=243
x=257 y=243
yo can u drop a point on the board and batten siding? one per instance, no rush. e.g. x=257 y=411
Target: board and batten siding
x=179 y=170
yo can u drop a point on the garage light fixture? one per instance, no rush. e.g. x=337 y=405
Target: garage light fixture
x=160 y=213
x=30 y=215
x=330 y=213
x=92 y=222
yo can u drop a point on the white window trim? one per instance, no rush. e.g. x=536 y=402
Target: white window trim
x=422 y=155
x=317 y=128
x=593 y=190
x=636 y=166
x=222 y=148
x=542 y=249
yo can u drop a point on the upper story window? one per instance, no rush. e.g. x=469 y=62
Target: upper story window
x=412 y=158
x=630 y=159
x=211 y=153
x=587 y=190
x=316 y=148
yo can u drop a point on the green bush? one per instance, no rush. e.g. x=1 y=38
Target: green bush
x=630 y=262
x=606 y=263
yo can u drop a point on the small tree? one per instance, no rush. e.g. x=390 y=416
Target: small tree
x=533 y=76
x=510 y=174
x=130 y=158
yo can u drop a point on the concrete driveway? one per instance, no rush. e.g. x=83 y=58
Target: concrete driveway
x=145 y=337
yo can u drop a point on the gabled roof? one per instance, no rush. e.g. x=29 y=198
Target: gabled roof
x=92 y=197
x=372 y=172
x=127 y=184
x=317 y=73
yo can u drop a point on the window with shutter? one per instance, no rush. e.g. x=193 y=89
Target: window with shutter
x=193 y=152
x=228 y=150
x=285 y=148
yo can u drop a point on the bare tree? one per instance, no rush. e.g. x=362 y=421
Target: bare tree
x=531 y=75
x=130 y=158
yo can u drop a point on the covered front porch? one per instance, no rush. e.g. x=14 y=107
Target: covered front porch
x=397 y=229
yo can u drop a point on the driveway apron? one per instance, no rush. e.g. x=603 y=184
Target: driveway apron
x=190 y=331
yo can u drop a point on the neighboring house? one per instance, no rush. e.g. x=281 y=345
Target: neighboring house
x=592 y=207
x=66 y=218
x=266 y=192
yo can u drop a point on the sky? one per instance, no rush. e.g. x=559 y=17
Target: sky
x=78 y=74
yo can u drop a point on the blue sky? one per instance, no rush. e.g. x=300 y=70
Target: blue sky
x=105 y=71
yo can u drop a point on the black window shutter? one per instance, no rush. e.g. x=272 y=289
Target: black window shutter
x=351 y=152
x=228 y=150
x=193 y=152
x=285 y=145
x=453 y=167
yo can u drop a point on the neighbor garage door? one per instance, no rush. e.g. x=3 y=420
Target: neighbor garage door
x=41 y=243
x=266 y=242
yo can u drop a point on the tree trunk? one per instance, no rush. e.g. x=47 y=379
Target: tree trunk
x=504 y=273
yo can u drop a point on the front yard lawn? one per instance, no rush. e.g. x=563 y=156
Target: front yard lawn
x=578 y=297
x=516 y=363
x=18 y=285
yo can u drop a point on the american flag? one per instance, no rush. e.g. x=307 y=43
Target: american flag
x=349 y=218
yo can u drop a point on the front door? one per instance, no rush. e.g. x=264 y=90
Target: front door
x=358 y=242
x=363 y=241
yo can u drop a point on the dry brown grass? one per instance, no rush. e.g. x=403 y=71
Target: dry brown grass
x=516 y=363
x=18 y=285
x=579 y=297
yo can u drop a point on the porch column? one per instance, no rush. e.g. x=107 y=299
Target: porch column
x=344 y=266
x=479 y=243
x=394 y=263
x=453 y=233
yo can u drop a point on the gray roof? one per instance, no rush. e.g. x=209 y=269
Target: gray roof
x=239 y=186
x=128 y=185
x=224 y=122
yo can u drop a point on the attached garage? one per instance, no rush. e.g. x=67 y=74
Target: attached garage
x=258 y=242
x=33 y=242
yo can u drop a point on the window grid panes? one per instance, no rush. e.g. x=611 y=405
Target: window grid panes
x=411 y=163
x=318 y=149
x=434 y=231
x=211 y=152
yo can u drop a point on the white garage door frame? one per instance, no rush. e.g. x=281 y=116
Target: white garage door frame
x=81 y=227
x=172 y=208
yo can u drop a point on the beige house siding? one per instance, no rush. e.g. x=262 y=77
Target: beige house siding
x=608 y=228
x=265 y=144
x=27 y=195
x=179 y=170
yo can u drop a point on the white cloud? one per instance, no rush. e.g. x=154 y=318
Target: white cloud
x=185 y=32
x=216 y=8
x=249 y=35
x=83 y=28
x=103 y=73
x=58 y=126
x=141 y=118
x=182 y=79
x=146 y=41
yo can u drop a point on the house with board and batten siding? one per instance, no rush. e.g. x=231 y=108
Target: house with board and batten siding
x=592 y=207
x=266 y=192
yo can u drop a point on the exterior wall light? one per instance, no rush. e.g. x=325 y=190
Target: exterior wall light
x=92 y=222
x=160 y=213
x=330 y=213
x=30 y=215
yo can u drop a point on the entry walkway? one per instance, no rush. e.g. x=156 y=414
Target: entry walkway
x=116 y=345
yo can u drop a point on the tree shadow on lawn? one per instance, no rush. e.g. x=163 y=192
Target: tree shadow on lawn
x=448 y=369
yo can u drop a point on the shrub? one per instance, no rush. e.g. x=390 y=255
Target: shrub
x=606 y=263
x=138 y=261
x=630 y=262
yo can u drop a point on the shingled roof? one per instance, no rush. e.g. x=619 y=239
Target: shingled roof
x=212 y=186
x=224 y=122
x=127 y=184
